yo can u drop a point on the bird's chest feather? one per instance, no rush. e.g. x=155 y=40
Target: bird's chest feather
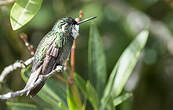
x=65 y=50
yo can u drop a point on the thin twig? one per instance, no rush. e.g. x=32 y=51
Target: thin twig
x=71 y=78
x=80 y=14
x=25 y=90
x=7 y=2
x=73 y=57
x=12 y=67
x=74 y=47
x=24 y=37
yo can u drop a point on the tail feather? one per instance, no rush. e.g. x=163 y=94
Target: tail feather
x=33 y=77
x=34 y=91
x=47 y=66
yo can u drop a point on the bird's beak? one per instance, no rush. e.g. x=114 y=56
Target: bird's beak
x=85 y=20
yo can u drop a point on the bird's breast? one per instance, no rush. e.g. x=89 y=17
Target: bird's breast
x=65 y=51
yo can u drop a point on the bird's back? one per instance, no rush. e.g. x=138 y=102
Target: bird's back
x=39 y=56
x=42 y=48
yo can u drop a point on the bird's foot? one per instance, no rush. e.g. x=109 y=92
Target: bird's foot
x=22 y=63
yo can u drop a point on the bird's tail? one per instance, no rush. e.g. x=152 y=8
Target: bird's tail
x=34 y=91
x=32 y=79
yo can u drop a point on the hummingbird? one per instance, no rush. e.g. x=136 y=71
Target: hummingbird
x=53 y=50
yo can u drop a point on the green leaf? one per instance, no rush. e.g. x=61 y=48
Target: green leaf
x=127 y=62
x=96 y=61
x=124 y=68
x=25 y=73
x=88 y=90
x=70 y=100
x=121 y=98
x=23 y=11
x=80 y=82
x=84 y=104
x=73 y=98
x=21 y=106
x=92 y=95
x=52 y=93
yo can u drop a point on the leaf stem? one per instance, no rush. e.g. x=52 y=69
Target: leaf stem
x=73 y=86
x=73 y=57
x=73 y=49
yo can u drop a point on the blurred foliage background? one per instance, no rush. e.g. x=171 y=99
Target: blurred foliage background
x=118 y=21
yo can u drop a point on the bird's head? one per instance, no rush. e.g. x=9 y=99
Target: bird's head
x=68 y=26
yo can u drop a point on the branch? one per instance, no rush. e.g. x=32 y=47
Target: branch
x=19 y=64
x=25 y=90
x=24 y=37
x=12 y=67
x=74 y=46
x=73 y=57
x=8 y=2
x=73 y=87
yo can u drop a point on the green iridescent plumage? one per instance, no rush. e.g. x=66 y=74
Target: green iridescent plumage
x=55 y=35
x=53 y=50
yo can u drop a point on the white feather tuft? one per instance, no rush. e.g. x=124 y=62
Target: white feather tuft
x=75 y=31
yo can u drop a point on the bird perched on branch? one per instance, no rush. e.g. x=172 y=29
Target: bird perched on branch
x=53 y=50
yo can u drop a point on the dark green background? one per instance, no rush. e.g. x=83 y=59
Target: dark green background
x=118 y=22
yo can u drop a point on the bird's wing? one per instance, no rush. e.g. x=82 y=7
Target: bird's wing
x=40 y=57
x=42 y=48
